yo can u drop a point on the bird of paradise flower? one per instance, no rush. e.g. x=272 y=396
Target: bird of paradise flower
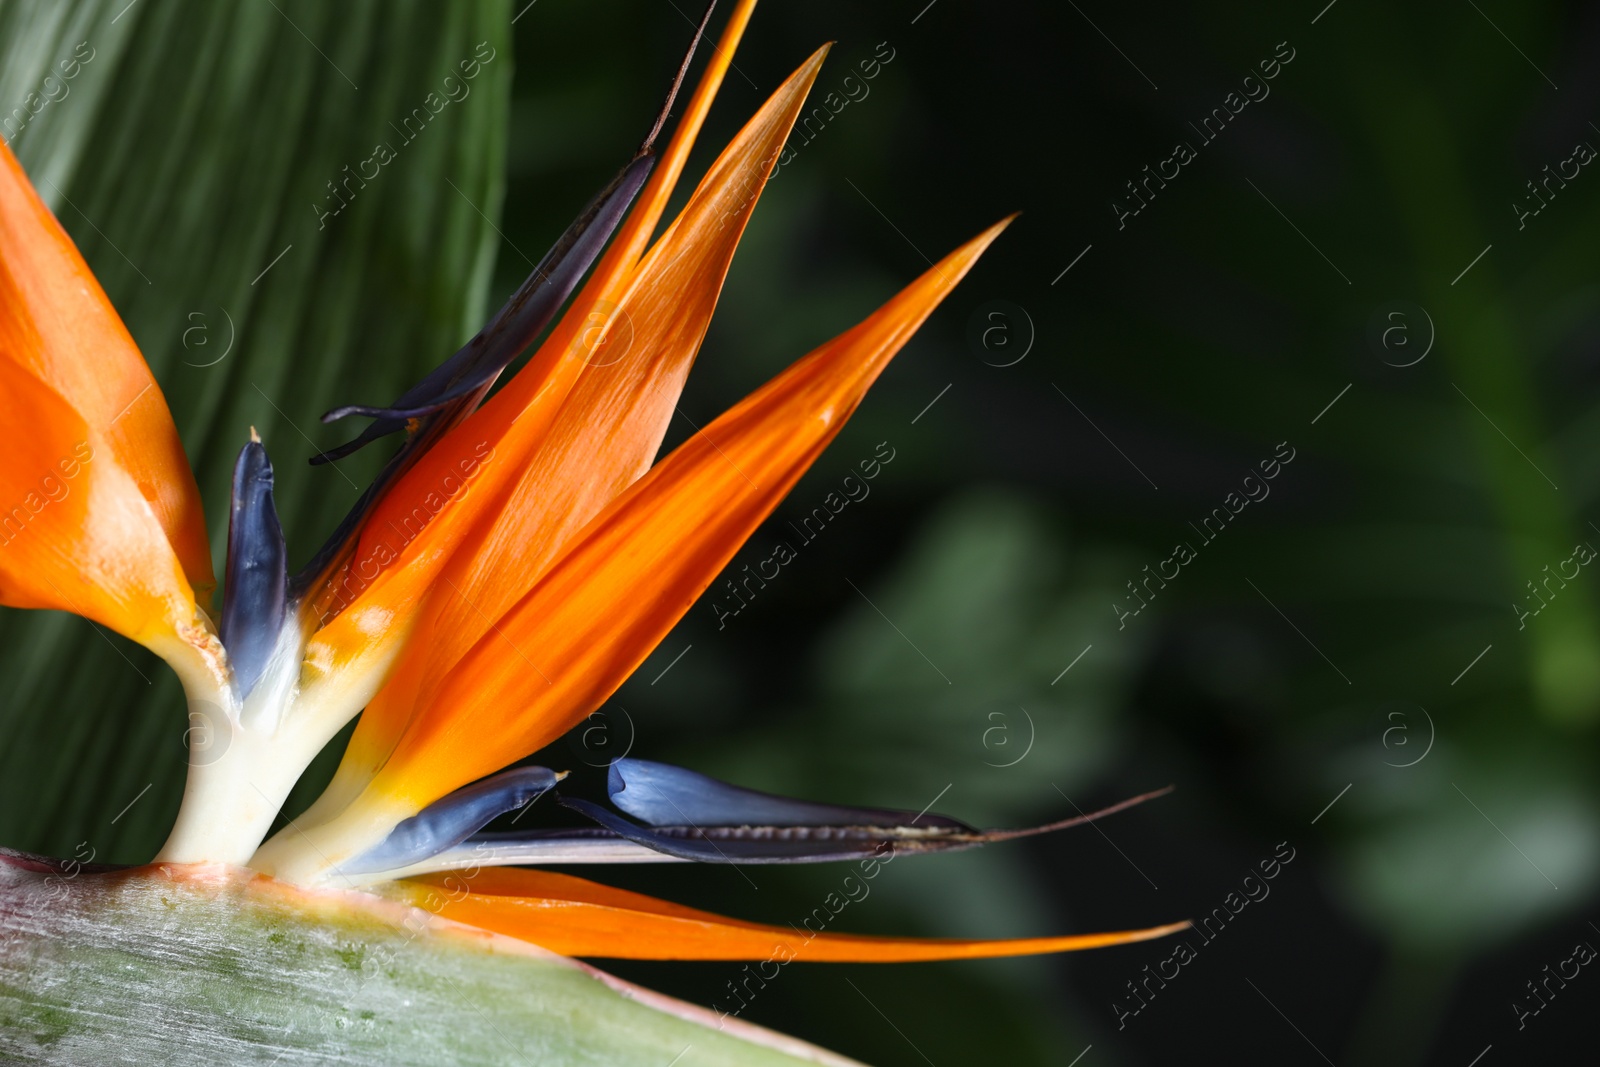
x=518 y=557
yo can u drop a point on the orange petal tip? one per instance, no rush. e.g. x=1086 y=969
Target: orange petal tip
x=576 y=917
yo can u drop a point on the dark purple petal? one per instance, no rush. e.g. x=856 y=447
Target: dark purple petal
x=663 y=795
x=455 y=388
x=465 y=376
x=759 y=844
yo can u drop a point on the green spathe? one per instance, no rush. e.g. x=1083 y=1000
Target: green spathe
x=208 y=964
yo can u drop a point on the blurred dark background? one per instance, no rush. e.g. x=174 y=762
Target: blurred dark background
x=1351 y=270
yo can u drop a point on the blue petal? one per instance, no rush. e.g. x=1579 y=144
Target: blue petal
x=452 y=819
x=663 y=795
x=619 y=840
x=255 y=590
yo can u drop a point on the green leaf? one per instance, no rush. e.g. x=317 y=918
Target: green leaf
x=191 y=157
x=215 y=965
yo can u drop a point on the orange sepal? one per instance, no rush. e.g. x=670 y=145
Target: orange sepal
x=465 y=477
x=423 y=516
x=611 y=424
x=580 y=918
x=101 y=513
x=603 y=607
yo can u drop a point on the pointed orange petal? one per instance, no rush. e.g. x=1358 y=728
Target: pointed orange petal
x=468 y=473
x=634 y=234
x=512 y=423
x=613 y=421
x=564 y=648
x=101 y=513
x=611 y=424
x=580 y=918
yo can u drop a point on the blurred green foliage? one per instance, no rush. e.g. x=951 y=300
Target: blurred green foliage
x=1208 y=329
